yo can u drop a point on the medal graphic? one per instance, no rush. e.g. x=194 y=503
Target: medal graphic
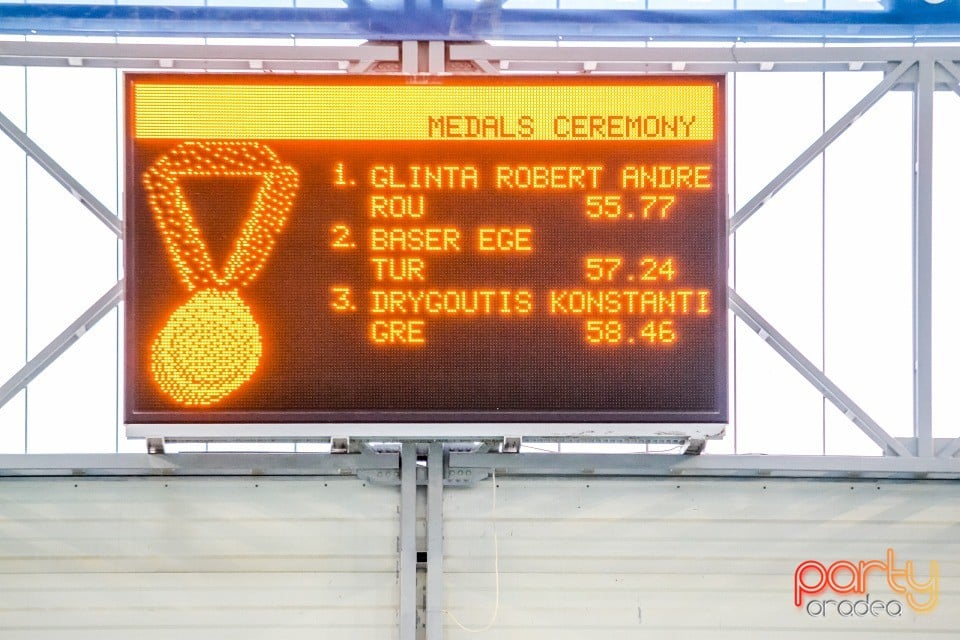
x=211 y=345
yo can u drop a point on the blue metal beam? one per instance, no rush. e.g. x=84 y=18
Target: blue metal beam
x=910 y=20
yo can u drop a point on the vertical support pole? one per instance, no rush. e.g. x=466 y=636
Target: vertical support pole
x=436 y=57
x=409 y=57
x=922 y=260
x=435 y=542
x=408 y=541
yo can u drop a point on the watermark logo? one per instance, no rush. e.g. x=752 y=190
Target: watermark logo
x=843 y=577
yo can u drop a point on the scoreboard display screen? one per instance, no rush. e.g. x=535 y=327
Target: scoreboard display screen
x=386 y=249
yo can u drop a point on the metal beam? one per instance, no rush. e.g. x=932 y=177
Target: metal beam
x=815 y=149
x=436 y=57
x=950 y=450
x=923 y=260
x=951 y=67
x=784 y=58
x=409 y=57
x=222 y=57
x=814 y=375
x=670 y=68
x=287 y=56
x=61 y=343
x=281 y=57
x=744 y=465
x=62 y=176
x=408 y=541
x=196 y=464
x=513 y=464
x=435 y=468
x=953 y=71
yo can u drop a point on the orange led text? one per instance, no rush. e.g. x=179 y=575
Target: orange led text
x=398 y=269
x=451 y=301
x=666 y=176
x=415 y=239
x=415 y=176
x=538 y=177
x=505 y=238
x=397 y=332
x=393 y=207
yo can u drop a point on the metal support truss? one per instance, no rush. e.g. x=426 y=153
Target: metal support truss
x=924 y=86
x=61 y=343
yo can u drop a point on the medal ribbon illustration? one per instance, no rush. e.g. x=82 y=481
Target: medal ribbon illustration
x=211 y=345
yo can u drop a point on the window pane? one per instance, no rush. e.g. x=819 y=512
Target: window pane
x=869 y=191
x=779 y=260
x=778 y=411
x=13 y=283
x=72 y=404
x=946 y=264
x=13 y=228
x=72 y=258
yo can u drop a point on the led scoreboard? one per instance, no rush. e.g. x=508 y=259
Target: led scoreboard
x=388 y=250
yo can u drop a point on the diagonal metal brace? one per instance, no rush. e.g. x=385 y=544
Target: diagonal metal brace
x=818 y=146
x=950 y=450
x=814 y=375
x=61 y=343
x=954 y=71
x=62 y=176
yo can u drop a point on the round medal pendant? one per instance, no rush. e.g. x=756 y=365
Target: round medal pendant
x=209 y=347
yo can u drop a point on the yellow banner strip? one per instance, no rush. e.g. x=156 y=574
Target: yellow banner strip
x=453 y=112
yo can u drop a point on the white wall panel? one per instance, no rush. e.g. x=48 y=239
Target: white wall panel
x=197 y=558
x=708 y=559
